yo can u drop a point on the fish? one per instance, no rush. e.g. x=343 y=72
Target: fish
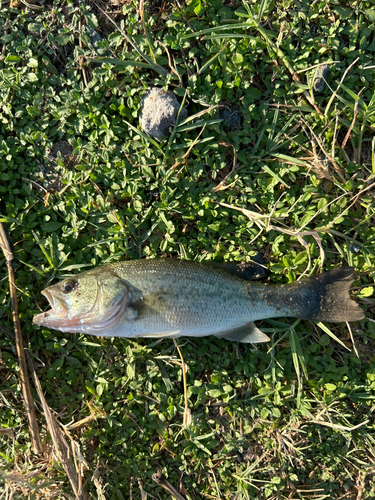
x=168 y=297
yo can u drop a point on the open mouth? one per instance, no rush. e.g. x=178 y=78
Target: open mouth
x=58 y=307
x=57 y=312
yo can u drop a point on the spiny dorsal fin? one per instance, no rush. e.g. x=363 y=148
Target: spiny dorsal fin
x=253 y=270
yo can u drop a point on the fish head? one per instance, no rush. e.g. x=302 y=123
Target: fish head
x=91 y=302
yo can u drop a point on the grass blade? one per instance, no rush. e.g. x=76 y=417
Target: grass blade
x=197 y=124
x=102 y=242
x=263 y=6
x=352 y=94
x=213 y=58
x=216 y=29
x=188 y=144
x=197 y=115
x=298 y=361
x=74 y=266
x=32 y=267
x=145 y=136
x=274 y=175
x=297 y=349
x=45 y=253
x=270 y=142
x=153 y=64
x=260 y=43
x=290 y=159
x=119 y=62
x=332 y=335
x=147 y=33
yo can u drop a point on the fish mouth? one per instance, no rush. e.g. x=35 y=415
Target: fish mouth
x=58 y=311
x=58 y=306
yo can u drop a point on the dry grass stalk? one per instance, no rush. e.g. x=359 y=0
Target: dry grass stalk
x=24 y=379
x=222 y=184
x=60 y=446
x=164 y=483
x=81 y=59
x=187 y=412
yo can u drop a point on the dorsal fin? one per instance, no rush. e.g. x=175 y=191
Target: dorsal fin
x=252 y=270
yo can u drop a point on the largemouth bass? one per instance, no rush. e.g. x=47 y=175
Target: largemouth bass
x=173 y=298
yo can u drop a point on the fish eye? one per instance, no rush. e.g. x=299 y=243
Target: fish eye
x=68 y=286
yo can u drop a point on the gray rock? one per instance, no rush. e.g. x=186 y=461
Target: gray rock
x=231 y=116
x=159 y=113
x=321 y=76
x=62 y=147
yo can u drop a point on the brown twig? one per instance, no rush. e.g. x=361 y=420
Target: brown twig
x=188 y=151
x=60 y=446
x=222 y=184
x=335 y=165
x=80 y=59
x=338 y=86
x=173 y=69
x=355 y=113
x=187 y=412
x=6 y=246
x=162 y=481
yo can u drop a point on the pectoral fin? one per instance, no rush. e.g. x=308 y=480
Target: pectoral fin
x=248 y=334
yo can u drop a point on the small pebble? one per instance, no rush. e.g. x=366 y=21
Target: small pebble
x=231 y=116
x=321 y=76
x=159 y=113
x=355 y=249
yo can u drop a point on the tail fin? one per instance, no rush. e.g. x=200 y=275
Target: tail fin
x=327 y=297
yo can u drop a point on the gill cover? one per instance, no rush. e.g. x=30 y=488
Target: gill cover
x=92 y=302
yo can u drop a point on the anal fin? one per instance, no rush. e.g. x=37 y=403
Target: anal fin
x=248 y=334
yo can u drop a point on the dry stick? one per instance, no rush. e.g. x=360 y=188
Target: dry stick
x=32 y=6
x=351 y=126
x=162 y=481
x=352 y=339
x=336 y=426
x=174 y=71
x=80 y=60
x=336 y=166
x=188 y=151
x=25 y=384
x=60 y=446
x=338 y=86
x=221 y=185
x=187 y=413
